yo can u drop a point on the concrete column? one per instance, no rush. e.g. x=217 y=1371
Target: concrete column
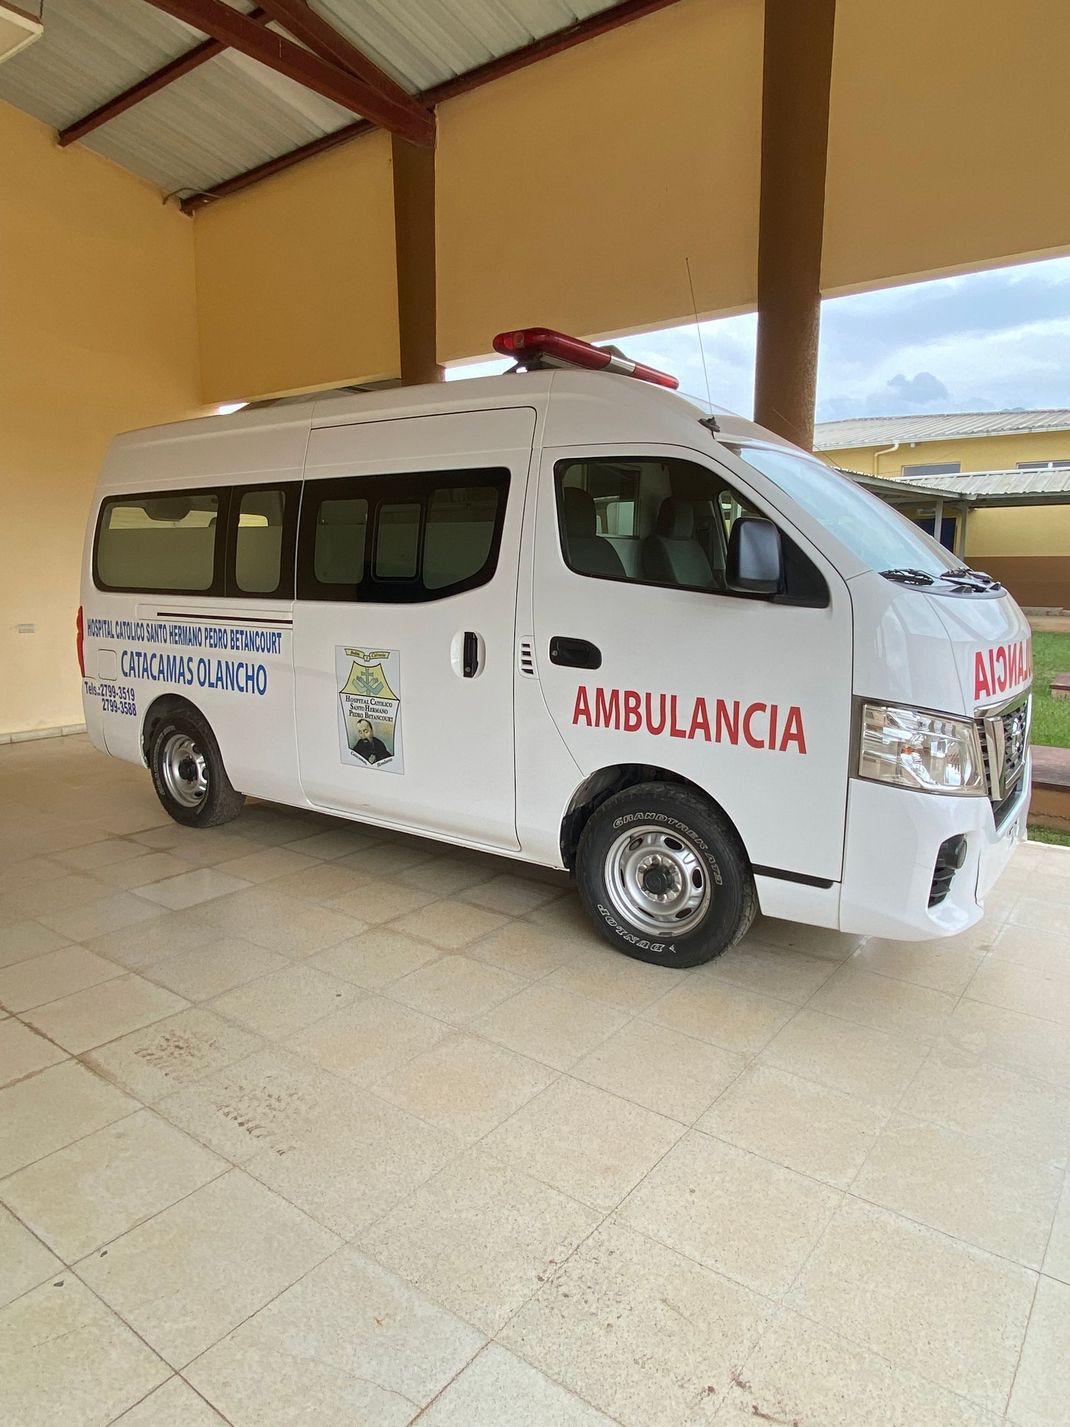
x=797 y=74
x=960 y=532
x=938 y=521
x=414 y=243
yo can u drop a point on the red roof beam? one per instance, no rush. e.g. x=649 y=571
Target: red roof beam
x=151 y=84
x=299 y=19
x=232 y=28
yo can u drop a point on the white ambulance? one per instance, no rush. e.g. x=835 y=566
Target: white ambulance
x=569 y=617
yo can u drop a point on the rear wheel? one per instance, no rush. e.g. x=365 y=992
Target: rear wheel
x=188 y=773
x=664 y=877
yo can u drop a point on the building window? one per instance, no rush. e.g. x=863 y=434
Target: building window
x=933 y=468
x=1043 y=465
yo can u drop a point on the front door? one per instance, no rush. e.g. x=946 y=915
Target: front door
x=405 y=618
x=647 y=658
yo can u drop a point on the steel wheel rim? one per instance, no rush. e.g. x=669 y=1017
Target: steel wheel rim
x=658 y=881
x=185 y=773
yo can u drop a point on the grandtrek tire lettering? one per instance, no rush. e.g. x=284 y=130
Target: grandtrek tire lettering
x=680 y=827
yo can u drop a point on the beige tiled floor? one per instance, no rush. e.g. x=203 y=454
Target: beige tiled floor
x=304 y=1123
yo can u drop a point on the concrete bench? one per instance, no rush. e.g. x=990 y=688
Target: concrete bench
x=1050 y=803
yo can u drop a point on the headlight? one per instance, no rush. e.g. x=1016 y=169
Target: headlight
x=930 y=753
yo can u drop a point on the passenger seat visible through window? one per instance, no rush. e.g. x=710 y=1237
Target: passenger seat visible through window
x=587 y=551
x=671 y=554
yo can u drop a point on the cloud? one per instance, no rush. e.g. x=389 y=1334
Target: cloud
x=984 y=341
x=921 y=390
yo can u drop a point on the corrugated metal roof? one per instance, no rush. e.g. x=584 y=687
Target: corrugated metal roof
x=883 y=430
x=995 y=482
x=231 y=113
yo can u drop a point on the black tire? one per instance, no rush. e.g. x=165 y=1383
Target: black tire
x=701 y=858
x=183 y=797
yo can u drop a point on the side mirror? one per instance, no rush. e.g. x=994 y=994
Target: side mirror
x=755 y=559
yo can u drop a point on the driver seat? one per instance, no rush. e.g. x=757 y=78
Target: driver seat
x=671 y=554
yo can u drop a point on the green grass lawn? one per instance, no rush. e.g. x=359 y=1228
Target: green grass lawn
x=1051 y=717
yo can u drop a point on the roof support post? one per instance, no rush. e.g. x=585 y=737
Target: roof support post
x=414 y=244
x=797 y=72
x=960 y=532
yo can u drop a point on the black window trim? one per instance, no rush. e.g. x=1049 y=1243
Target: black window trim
x=216 y=589
x=405 y=488
x=284 y=590
x=783 y=598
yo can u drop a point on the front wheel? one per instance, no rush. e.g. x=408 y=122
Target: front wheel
x=188 y=773
x=664 y=877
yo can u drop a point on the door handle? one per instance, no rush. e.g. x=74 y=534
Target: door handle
x=470 y=657
x=574 y=653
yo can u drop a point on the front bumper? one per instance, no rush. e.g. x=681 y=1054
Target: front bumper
x=893 y=840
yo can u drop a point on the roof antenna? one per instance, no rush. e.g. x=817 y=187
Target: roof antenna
x=698 y=330
x=710 y=422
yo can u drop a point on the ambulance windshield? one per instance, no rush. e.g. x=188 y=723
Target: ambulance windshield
x=885 y=540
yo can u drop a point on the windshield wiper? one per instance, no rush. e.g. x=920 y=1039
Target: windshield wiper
x=965 y=578
x=909 y=577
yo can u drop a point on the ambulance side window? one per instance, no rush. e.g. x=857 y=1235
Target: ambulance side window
x=165 y=542
x=263 y=538
x=401 y=539
x=662 y=522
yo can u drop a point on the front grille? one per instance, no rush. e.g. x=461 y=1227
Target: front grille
x=1001 y=810
x=1004 y=747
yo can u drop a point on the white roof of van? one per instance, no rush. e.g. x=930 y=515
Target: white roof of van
x=587 y=407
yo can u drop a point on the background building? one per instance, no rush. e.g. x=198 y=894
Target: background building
x=997 y=483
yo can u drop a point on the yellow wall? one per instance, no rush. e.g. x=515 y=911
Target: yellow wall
x=947 y=134
x=97 y=335
x=1029 y=530
x=570 y=193
x=973 y=453
x=296 y=281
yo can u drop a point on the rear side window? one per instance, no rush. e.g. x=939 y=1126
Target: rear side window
x=401 y=539
x=165 y=542
x=459 y=534
x=264 y=539
x=397 y=541
x=339 y=539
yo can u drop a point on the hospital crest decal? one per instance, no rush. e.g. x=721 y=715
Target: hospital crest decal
x=369 y=707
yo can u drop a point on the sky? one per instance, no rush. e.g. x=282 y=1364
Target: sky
x=982 y=342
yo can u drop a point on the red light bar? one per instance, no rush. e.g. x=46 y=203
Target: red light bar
x=541 y=346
